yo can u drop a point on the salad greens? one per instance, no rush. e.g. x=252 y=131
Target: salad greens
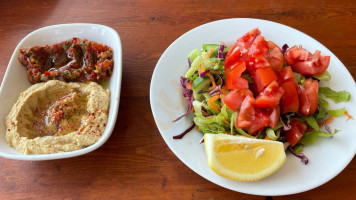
x=204 y=83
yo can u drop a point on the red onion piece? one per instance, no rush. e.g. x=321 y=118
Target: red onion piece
x=284 y=48
x=302 y=157
x=180 y=136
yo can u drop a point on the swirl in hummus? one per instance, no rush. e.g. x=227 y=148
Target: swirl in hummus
x=56 y=116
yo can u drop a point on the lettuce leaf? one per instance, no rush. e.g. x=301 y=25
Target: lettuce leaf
x=337 y=112
x=298 y=148
x=341 y=96
x=323 y=107
x=309 y=137
x=323 y=77
x=312 y=122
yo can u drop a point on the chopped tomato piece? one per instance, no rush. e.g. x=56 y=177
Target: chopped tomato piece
x=296 y=132
x=258 y=123
x=286 y=74
x=263 y=77
x=308 y=98
x=270 y=96
x=232 y=56
x=234 y=79
x=238 y=67
x=247 y=113
x=236 y=82
x=239 y=51
x=264 y=117
x=290 y=99
x=234 y=98
x=258 y=53
x=273 y=114
x=303 y=62
x=294 y=54
x=275 y=56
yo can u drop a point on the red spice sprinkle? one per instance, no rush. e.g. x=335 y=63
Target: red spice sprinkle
x=8 y=129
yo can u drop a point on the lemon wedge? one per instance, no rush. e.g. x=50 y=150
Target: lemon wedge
x=242 y=158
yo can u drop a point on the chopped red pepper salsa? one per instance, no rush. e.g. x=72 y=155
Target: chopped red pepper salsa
x=72 y=60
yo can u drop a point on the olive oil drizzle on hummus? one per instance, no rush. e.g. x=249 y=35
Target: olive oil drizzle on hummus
x=60 y=115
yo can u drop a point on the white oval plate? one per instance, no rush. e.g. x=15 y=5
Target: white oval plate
x=328 y=157
x=15 y=80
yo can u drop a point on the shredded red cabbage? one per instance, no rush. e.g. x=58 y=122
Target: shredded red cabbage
x=221 y=82
x=221 y=51
x=183 y=81
x=216 y=91
x=189 y=62
x=327 y=128
x=286 y=123
x=302 y=157
x=203 y=73
x=284 y=48
x=201 y=140
x=180 y=136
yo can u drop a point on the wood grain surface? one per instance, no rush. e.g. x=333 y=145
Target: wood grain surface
x=135 y=163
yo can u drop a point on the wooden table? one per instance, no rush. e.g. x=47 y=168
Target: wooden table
x=135 y=163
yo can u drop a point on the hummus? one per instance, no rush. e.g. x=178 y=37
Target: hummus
x=55 y=116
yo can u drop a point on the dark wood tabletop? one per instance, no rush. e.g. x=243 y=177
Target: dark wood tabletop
x=136 y=163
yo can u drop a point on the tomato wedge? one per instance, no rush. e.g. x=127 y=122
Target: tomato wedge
x=264 y=117
x=232 y=57
x=303 y=62
x=247 y=113
x=239 y=51
x=263 y=77
x=290 y=99
x=270 y=96
x=234 y=79
x=309 y=97
x=234 y=98
x=273 y=114
x=258 y=123
x=296 y=132
x=286 y=74
x=295 y=54
x=239 y=64
x=236 y=82
x=275 y=56
x=258 y=53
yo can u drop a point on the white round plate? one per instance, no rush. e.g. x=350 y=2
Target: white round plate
x=327 y=157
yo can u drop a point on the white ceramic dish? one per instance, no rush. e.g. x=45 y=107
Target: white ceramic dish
x=15 y=80
x=327 y=157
